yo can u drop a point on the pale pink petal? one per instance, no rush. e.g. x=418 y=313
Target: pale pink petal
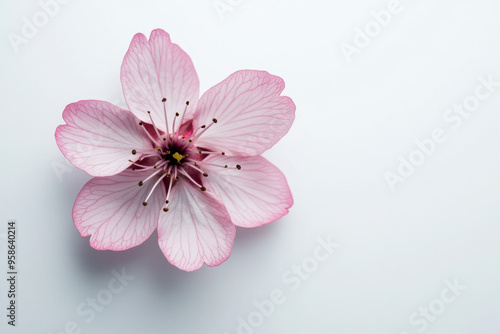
x=157 y=69
x=251 y=115
x=197 y=229
x=255 y=195
x=99 y=137
x=110 y=209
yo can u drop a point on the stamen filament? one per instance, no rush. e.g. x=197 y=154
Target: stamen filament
x=238 y=167
x=174 y=130
x=152 y=155
x=203 y=130
x=154 y=186
x=144 y=166
x=182 y=117
x=168 y=191
x=147 y=132
x=150 y=176
x=183 y=172
x=208 y=152
x=154 y=125
x=198 y=169
x=165 y=113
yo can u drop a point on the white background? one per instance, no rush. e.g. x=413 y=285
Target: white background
x=353 y=122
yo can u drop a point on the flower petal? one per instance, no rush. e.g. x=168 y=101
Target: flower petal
x=251 y=114
x=99 y=137
x=157 y=69
x=110 y=210
x=255 y=195
x=197 y=229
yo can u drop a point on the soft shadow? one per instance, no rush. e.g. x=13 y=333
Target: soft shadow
x=147 y=260
x=248 y=237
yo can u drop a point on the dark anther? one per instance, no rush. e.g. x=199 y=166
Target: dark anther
x=165 y=209
x=205 y=174
x=144 y=203
x=238 y=166
x=134 y=151
x=203 y=188
x=164 y=100
x=141 y=183
x=214 y=120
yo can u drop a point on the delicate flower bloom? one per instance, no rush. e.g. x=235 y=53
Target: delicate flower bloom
x=187 y=166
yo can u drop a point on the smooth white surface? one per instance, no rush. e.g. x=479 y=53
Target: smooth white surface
x=353 y=121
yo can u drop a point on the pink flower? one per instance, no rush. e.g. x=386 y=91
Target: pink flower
x=187 y=166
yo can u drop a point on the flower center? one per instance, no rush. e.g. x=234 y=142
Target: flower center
x=172 y=154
